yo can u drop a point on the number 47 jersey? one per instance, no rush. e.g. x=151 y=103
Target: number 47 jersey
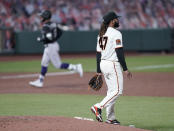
x=108 y=43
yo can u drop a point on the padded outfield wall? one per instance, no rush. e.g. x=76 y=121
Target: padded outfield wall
x=85 y=41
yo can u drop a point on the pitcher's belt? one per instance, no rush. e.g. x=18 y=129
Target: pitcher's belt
x=109 y=60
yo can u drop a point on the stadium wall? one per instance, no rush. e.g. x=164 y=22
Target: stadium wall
x=85 y=41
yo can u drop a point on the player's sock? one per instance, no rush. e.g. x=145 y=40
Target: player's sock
x=72 y=67
x=41 y=78
x=98 y=105
x=43 y=72
x=64 y=66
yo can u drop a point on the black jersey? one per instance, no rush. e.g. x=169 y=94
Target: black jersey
x=50 y=33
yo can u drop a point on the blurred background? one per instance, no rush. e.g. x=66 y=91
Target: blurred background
x=147 y=25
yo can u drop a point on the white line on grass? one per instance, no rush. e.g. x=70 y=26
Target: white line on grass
x=153 y=67
x=72 y=72
x=147 y=67
x=35 y=75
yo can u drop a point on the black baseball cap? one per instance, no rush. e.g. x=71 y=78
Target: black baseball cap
x=110 y=16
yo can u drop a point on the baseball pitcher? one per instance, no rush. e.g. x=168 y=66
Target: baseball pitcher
x=50 y=33
x=110 y=63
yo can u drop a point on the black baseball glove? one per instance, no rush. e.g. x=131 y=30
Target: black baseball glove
x=96 y=82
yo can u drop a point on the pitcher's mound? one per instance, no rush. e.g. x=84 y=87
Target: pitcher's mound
x=52 y=123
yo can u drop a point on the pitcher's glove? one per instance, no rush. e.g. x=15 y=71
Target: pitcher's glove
x=96 y=82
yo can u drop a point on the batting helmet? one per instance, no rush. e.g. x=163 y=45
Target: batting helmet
x=46 y=15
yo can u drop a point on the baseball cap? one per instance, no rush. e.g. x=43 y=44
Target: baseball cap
x=110 y=16
x=46 y=14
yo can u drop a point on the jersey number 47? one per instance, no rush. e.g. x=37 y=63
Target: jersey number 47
x=103 y=42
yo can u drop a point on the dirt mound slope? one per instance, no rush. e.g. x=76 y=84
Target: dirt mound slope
x=52 y=123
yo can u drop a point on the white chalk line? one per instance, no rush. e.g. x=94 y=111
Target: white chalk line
x=146 y=67
x=153 y=67
x=73 y=72
x=36 y=75
x=83 y=118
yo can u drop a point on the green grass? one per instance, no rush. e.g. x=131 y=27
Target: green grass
x=34 y=65
x=154 y=113
x=89 y=64
x=139 y=61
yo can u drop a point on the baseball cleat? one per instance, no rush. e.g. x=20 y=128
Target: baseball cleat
x=79 y=69
x=115 y=122
x=97 y=112
x=36 y=83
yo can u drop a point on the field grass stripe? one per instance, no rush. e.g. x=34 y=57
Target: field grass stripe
x=35 y=75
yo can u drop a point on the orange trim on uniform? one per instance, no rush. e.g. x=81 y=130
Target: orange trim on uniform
x=118 y=87
x=96 y=110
